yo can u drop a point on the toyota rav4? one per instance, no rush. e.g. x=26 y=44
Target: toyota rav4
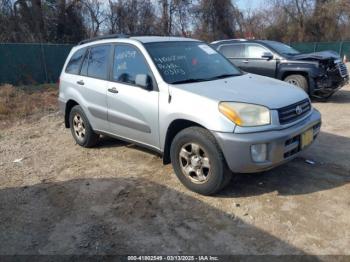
x=184 y=100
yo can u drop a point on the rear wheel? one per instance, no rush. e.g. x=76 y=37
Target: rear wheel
x=198 y=161
x=299 y=81
x=81 y=128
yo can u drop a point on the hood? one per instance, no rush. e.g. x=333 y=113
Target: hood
x=248 y=88
x=324 y=55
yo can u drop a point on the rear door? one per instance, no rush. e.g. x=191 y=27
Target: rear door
x=132 y=108
x=93 y=84
x=234 y=52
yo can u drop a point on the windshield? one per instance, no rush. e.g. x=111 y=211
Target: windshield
x=283 y=48
x=186 y=62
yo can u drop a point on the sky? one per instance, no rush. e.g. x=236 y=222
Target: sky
x=246 y=4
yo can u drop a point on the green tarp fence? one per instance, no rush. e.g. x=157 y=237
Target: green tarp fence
x=342 y=47
x=42 y=63
x=32 y=63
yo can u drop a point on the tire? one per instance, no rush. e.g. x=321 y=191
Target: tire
x=299 y=81
x=81 y=128
x=200 y=154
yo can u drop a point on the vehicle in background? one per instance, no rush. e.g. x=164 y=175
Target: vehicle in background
x=184 y=100
x=320 y=74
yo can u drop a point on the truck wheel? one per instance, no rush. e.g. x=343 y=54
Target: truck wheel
x=298 y=80
x=81 y=128
x=198 y=161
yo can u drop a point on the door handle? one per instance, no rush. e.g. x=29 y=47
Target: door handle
x=113 y=90
x=81 y=82
x=245 y=61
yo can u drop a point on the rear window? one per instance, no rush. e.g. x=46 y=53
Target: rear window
x=233 y=51
x=96 y=62
x=75 y=62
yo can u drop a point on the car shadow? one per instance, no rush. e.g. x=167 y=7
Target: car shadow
x=122 y=216
x=340 y=97
x=107 y=142
x=110 y=142
x=329 y=152
x=329 y=168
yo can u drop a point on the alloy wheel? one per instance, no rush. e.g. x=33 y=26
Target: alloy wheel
x=195 y=163
x=79 y=127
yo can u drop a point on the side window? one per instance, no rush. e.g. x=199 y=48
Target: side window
x=129 y=65
x=232 y=51
x=96 y=62
x=255 y=51
x=74 y=63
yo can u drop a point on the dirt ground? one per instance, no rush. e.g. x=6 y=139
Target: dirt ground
x=59 y=198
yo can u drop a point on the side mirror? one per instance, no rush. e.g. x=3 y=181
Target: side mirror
x=267 y=55
x=144 y=81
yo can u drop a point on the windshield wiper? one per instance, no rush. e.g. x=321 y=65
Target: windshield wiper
x=191 y=80
x=221 y=76
x=291 y=54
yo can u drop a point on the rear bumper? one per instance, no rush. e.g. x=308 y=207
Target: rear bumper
x=282 y=145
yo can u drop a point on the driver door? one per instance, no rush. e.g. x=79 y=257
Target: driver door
x=132 y=101
x=256 y=63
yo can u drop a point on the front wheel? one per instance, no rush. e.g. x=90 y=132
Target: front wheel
x=299 y=81
x=198 y=161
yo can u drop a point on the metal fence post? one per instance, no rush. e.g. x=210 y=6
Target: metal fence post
x=341 y=48
x=43 y=61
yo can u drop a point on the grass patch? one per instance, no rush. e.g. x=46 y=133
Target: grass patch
x=18 y=102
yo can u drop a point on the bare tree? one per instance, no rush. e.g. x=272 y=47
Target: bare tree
x=182 y=12
x=216 y=19
x=95 y=16
x=73 y=20
x=131 y=17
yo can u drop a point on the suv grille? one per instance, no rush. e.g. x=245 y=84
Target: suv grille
x=342 y=69
x=293 y=112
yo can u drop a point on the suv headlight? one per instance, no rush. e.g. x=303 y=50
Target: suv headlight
x=243 y=114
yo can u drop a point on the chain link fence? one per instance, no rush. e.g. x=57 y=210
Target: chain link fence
x=32 y=63
x=342 y=47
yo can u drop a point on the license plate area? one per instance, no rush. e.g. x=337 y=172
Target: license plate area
x=307 y=137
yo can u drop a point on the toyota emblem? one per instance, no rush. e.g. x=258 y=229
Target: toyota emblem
x=298 y=110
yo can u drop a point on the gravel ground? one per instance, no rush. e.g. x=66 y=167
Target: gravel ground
x=59 y=198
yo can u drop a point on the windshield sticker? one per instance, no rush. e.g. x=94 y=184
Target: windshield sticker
x=207 y=49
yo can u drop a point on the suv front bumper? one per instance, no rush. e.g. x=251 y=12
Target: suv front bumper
x=330 y=85
x=282 y=145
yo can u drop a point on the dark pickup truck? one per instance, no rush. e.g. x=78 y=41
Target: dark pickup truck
x=320 y=74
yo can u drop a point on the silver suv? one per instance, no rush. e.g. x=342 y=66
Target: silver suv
x=183 y=99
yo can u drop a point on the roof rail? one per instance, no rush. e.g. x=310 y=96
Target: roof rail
x=102 y=38
x=227 y=40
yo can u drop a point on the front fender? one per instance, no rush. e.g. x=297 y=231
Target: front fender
x=310 y=69
x=193 y=108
